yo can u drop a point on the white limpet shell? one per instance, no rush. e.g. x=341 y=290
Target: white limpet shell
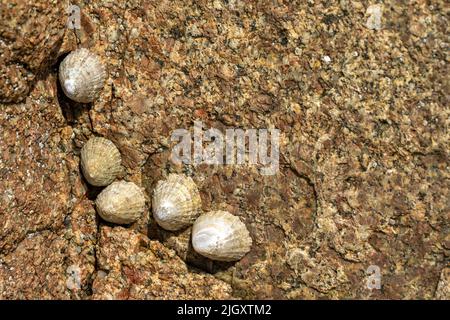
x=176 y=202
x=121 y=202
x=100 y=161
x=82 y=75
x=221 y=236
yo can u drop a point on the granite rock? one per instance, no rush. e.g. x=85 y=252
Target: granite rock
x=31 y=34
x=35 y=187
x=53 y=264
x=130 y=266
x=363 y=174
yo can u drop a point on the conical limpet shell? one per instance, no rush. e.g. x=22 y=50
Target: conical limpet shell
x=176 y=202
x=82 y=75
x=219 y=235
x=121 y=202
x=100 y=161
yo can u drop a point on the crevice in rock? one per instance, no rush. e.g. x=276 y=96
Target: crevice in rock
x=89 y=289
x=311 y=183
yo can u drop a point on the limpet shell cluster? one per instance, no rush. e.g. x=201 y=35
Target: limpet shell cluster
x=221 y=236
x=82 y=75
x=217 y=235
x=121 y=202
x=176 y=202
x=100 y=161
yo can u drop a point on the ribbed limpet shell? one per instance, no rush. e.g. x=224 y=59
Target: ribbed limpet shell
x=176 y=202
x=221 y=236
x=121 y=202
x=82 y=75
x=100 y=161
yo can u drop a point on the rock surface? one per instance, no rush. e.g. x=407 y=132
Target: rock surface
x=364 y=142
x=31 y=33
x=130 y=266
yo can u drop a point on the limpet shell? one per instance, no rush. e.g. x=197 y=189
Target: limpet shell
x=176 y=202
x=100 y=161
x=121 y=202
x=82 y=75
x=221 y=236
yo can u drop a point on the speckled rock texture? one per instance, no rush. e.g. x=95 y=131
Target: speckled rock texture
x=31 y=33
x=361 y=102
x=130 y=266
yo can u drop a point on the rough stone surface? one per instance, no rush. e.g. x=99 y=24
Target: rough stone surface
x=443 y=289
x=34 y=175
x=53 y=265
x=130 y=266
x=31 y=33
x=364 y=147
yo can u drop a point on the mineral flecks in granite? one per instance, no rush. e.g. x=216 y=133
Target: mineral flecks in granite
x=130 y=266
x=363 y=147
